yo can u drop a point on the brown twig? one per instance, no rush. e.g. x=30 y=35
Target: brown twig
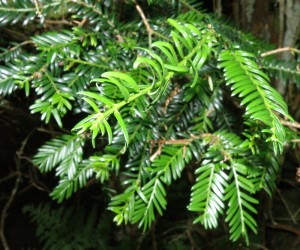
x=11 y=175
x=141 y=240
x=16 y=34
x=161 y=143
x=141 y=12
x=51 y=132
x=279 y=50
x=14 y=191
x=23 y=145
x=170 y=98
x=17 y=46
x=174 y=142
x=258 y=246
x=38 y=11
x=145 y=21
x=285 y=219
x=22 y=44
x=59 y=22
x=213 y=139
x=35 y=182
x=291 y=124
x=191 y=239
x=81 y=23
x=284 y=227
x=295 y=140
x=297 y=212
x=286 y=206
x=8 y=204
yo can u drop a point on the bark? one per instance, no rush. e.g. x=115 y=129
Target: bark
x=292 y=28
x=218 y=7
x=291 y=35
x=248 y=9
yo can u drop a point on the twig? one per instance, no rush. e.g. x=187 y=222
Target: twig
x=13 y=192
x=26 y=159
x=170 y=98
x=285 y=219
x=296 y=242
x=294 y=184
x=139 y=9
x=286 y=206
x=53 y=133
x=147 y=25
x=38 y=11
x=191 y=239
x=145 y=21
x=275 y=51
x=16 y=34
x=291 y=124
x=35 y=182
x=154 y=243
x=11 y=175
x=59 y=22
x=284 y=227
x=21 y=44
x=140 y=240
x=297 y=212
x=174 y=142
x=259 y=246
x=8 y=204
x=161 y=143
x=17 y=46
x=23 y=144
x=81 y=23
